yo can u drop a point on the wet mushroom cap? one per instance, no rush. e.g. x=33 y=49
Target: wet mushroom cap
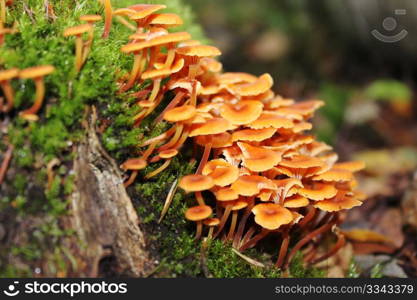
x=199 y=50
x=338 y=175
x=222 y=174
x=253 y=135
x=134 y=164
x=258 y=159
x=250 y=185
x=168 y=153
x=165 y=19
x=352 y=166
x=271 y=216
x=196 y=183
x=271 y=119
x=261 y=85
x=156 y=41
x=302 y=161
x=177 y=66
x=225 y=194
x=180 y=113
x=77 y=30
x=212 y=126
x=211 y=222
x=8 y=74
x=318 y=191
x=198 y=213
x=124 y=12
x=339 y=202
x=219 y=140
x=236 y=77
x=144 y=10
x=242 y=113
x=296 y=201
x=37 y=71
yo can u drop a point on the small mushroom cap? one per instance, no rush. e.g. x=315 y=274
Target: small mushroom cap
x=305 y=108
x=339 y=202
x=168 y=153
x=199 y=50
x=271 y=119
x=219 y=140
x=165 y=19
x=296 y=201
x=278 y=101
x=239 y=204
x=156 y=41
x=318 y=191
x=198 y=213
x=302 y=162
x=263 y=84
x=258 y=159
x=211 y=126
x=124 y=12
x=253 y=135
x=90 y=18
x=158 y=73
x=236 y=77
x=301 y=126
x=225 y=194
x=211 y=64
x=242 y=113
x=134 y=164
x=144 y=10
x=221 y=171
x=196 y=183
x=352 y=166
x=338 y=175
x=180 y=113
x=77 y=30
x=211 y=222
x=35 y=72
x=8 y=74
x=189 y=43
x=315 y=148
x=250 y=185
x=271 y=216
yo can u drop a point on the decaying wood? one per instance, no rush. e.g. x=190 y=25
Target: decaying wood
x=103 y=215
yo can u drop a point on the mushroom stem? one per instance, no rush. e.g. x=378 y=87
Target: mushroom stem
x=2 y=12
x=159 y=170
x=308 y=238
x=252 y=242
x=182 y=139
x=40 y=93
x=134 y=73
x=170 y=57
x=78 y=53
x=131 y=179
x=88 y=44
x=223 y=219
x=174 y=139
x=5 y=163
x=178 y=97
x=232 y=225
x=149 y=151
x=155 y=89
x=204 y=158
x=160 y=137
x=199 y=198
x=108 y=11
x=199 y=230
x=8 y=93
x=192 y=71
x=339 y=244
x=153 y=55
x=193 y=99
x=242 y=223
x=283 y=249
x=248 y=235
x=308 y=217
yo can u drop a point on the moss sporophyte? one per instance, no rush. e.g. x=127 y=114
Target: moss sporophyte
x=261 y=175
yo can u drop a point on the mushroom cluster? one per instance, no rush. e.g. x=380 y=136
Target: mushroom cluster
x=260 y=172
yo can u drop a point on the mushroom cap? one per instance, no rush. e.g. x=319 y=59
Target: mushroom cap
x=236 y=77
x=144 y=10
x=261 y=85
x=238 y=204
x=302 y=162
x=90 y=18
x=285 y=185
x=243 y=112
x=219 y=140
x=196 y=183
x=250 y=185
x=169 y=153
x=211 y=222
x=165 y=19
x=156 y=41
x=338 y=175
x=352 y=166
x=277 y=102
x=258 y=159
x=124 y=12
x=35 y=72
x=296 y=201
x=338 y=202
x=8 y=74
x=211 y=64
x=270 y=119
x=158 y=73
x=301 y=126
x=305 y=108
x=199 y=50
x=318 y=191
x=225 y=194
x=271 y=216
x=253 y=135
x=134 y=164
x=221 y=171
x=198 y=213
x=211 y=126
x=180 y=113
x=77 y=30
x=315 y=148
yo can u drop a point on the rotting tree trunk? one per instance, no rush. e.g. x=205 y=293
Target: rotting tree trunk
x=102 y=213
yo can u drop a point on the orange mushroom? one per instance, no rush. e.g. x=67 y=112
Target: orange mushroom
x=5 y=77
x=258 y=159
x=78 y=31
x=108 y=17
x=198 y=214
